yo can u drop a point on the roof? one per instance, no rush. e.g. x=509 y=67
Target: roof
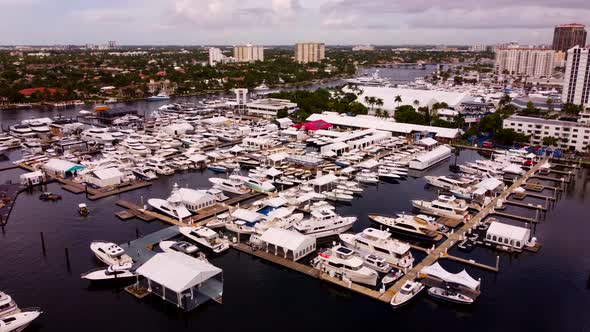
x=508 y=231
x=489 y=184
x=177 y=271
x=317 y=125
x=461 y=278
x=246 y=215
x=286 y=239
x=30 y=91
x=408 y=96
x=434 y=153
x=194 y=196
x=324 y=179
x=60 y=165
x=428 y=141
x=107 y=173
x=532 y=120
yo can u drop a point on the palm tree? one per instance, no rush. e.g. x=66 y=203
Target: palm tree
x=398 y=100
x=416 y=103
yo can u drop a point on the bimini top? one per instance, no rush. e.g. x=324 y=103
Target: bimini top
x=461 y=278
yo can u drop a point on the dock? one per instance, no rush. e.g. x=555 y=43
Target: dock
x=514 y=216
x=260 y=253
x=138 y=249
x=526 y=205
x=94 y=194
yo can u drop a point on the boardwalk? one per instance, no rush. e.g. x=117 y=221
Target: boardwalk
x=138 y=249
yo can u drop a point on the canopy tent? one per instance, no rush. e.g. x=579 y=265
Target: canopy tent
x=279 y=156
x=324 y=180
x=317 y=125
x=272 y=172
x=370 y=163
x=246 y=215
x=291 y=243
x=236 y=149
x=197 y=158
x=275 y=202
x=461 y=278
x=489 y=184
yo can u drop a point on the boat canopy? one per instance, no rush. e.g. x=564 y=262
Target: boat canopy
x=461 y=278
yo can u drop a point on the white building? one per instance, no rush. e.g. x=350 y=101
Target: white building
x=61 y=168
x=248 y=53
x=572 y=135
x=477 y=48
x=359 y=48
x=215 y=56
x=576 y=85
x=525 y=61
x=310 y=52
x=105 y=177
x=269 y=107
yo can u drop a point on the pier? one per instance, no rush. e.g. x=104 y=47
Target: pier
x=94 y=194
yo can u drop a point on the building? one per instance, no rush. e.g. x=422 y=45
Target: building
x=61 y=168
x=567 y=36
x=525 y=61
x=508 y=235
x=310 y=52
x=478 y=48
x=576 y=84
x=215 y=56
x=573 y=136
x=269 y=107
x=248 y=53
x=105 y=177
x=359 y=48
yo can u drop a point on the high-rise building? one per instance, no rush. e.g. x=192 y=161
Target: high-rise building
x=215 y=56
x=525 y=61
x=576 y=84
x=248 y=53
x=310 y=52
x=567 y=36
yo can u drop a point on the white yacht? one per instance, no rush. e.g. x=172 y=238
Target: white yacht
x=324 y=222
x=377 y=263
x=144 y=173
x=344 y=262
x=7 y=141
x=117 y=271
x=180 y=246
x=158 y=165
x=206 y=237
x=445 y=182
x=99 y=135
x=110 y=253
x=19 y=321
x=255 y=184
x=443 y=206
x=7 y=305
x=230 y=185
x=406 y=293
x=380 y=243
x=419 y=226
x=338 y=195
x=449 y=295
x=370 y=80
x=173 y=206
x=22 y=131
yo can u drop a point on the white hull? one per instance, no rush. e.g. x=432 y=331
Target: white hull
x=328 y=232
x=19 y=321
x=221 y=245
x=102 y=275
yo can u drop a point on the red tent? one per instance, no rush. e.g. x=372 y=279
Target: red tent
x=297 y=125
x=317 y=125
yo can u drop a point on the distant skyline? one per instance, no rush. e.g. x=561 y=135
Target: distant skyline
x=281 y=22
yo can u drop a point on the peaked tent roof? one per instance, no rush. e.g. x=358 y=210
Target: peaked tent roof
x=461 y=278
x=317 y=125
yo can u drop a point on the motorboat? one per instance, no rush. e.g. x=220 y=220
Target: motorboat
x=172 y=206
x=285 y=222
x=377 y=263
x=159 y=97
x=19 y=321
x=254 y=184
x=367 y=177
x=206 y=237
x=373 y=241
x=145 y=173
x=230 y=185
x=218 y=194
x=117 y=271
x=83 y=209
x=415 y=226
x=338 y=195
x=345 y=263
x=219 y=221
x=180 y=246
x=406 y=293
x=217 y=168
x=110 y=253
x=443 y=206
x=449 y=295
x=7 y=305
x=445 y=182
x=391 y=277
x=324 y=222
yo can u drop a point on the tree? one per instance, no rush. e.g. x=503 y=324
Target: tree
x=398 y=100
x=490 y=123
x=571 y=109
x=550 y=104
x=505 y=100
x=282 y=113
x=509 y=137
x=416 y=103
x=550 y=141
x=407 y=114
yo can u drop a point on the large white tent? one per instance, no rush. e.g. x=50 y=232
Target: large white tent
x=290 y=244
x=461 y=278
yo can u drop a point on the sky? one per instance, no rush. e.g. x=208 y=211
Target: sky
x=272 y=22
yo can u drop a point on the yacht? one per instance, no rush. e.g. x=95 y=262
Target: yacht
x=158 y=165
x=406 y=293
x=367 y=177
x=110 y=253
x=324 y=222
x=254 y=184
x=173 y=206
x=230 y=185
x=449 y=295
x=372 y=80
x=160 y=96
x=262 y=87
x=338 y=195
x=7 y=305
x=117 y=271
x=180 y=246
x=7 y=141
x=443 y=206
x=445 y=182
x=344 y=262
x=377 y=242
x=377 y=263
x=19 y=321
x=22 y=131
x=206 y=237
x=99 y=135
x=145 y=173
x=410 y=225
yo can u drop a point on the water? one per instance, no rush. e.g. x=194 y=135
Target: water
x=547 y=291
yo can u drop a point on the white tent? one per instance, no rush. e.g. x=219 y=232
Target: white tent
x=370 y=163
x=246 y=215
x=324 y=180
x=507 y=235
x=291 y=243
x=275 y=157
x=461 y=278
x=236 y=149
x=272 y=172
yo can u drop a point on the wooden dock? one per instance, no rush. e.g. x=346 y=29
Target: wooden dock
x=526 y=205
x=548 y=178
x=514 y=216
x=470 y=262
x=94 y=193
x=260 y=253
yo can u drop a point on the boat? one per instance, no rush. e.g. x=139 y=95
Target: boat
x=160 y=96
x=83 y=209
x=254 y=184
x=377 y=263
x=19 y=321
x=49 y=196
x=391 y=277
x=338 y=195
x=377 y=242
x=7 y=305
x=406 y=293
x=217 y=168
x=443 y=206
x=449 y=295
x=445 y=182
x=410 y=225
x=345 y=263
x=324 y=222
x=230 y=185
x=206 y=237
x=110 y=253
x=145 y=173
x=117 y=271
x=180 y=246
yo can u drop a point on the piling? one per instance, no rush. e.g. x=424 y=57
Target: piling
x=43 y=243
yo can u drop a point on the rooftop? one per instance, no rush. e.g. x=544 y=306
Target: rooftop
x=528 y=119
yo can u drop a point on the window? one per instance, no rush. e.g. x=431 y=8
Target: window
x=494 y=238
x=518 y=244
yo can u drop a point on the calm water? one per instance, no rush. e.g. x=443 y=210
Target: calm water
x=547 y=291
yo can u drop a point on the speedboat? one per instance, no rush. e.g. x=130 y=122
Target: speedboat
x=449 y=295
x=117 y=271
x=19 y=321
x=206 y=237
x=217 y=168
x=406 y=293
x=344 y=262
x=160 y=96
x=110 y=253
x=410 y=225
x=379 y=243
x=7 y=305
x=324 y=222
x=391 y=277
x=180 y=246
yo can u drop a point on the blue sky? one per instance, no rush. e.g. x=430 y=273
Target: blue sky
x=202 y=22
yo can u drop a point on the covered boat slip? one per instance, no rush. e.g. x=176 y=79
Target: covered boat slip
x=181 y=279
